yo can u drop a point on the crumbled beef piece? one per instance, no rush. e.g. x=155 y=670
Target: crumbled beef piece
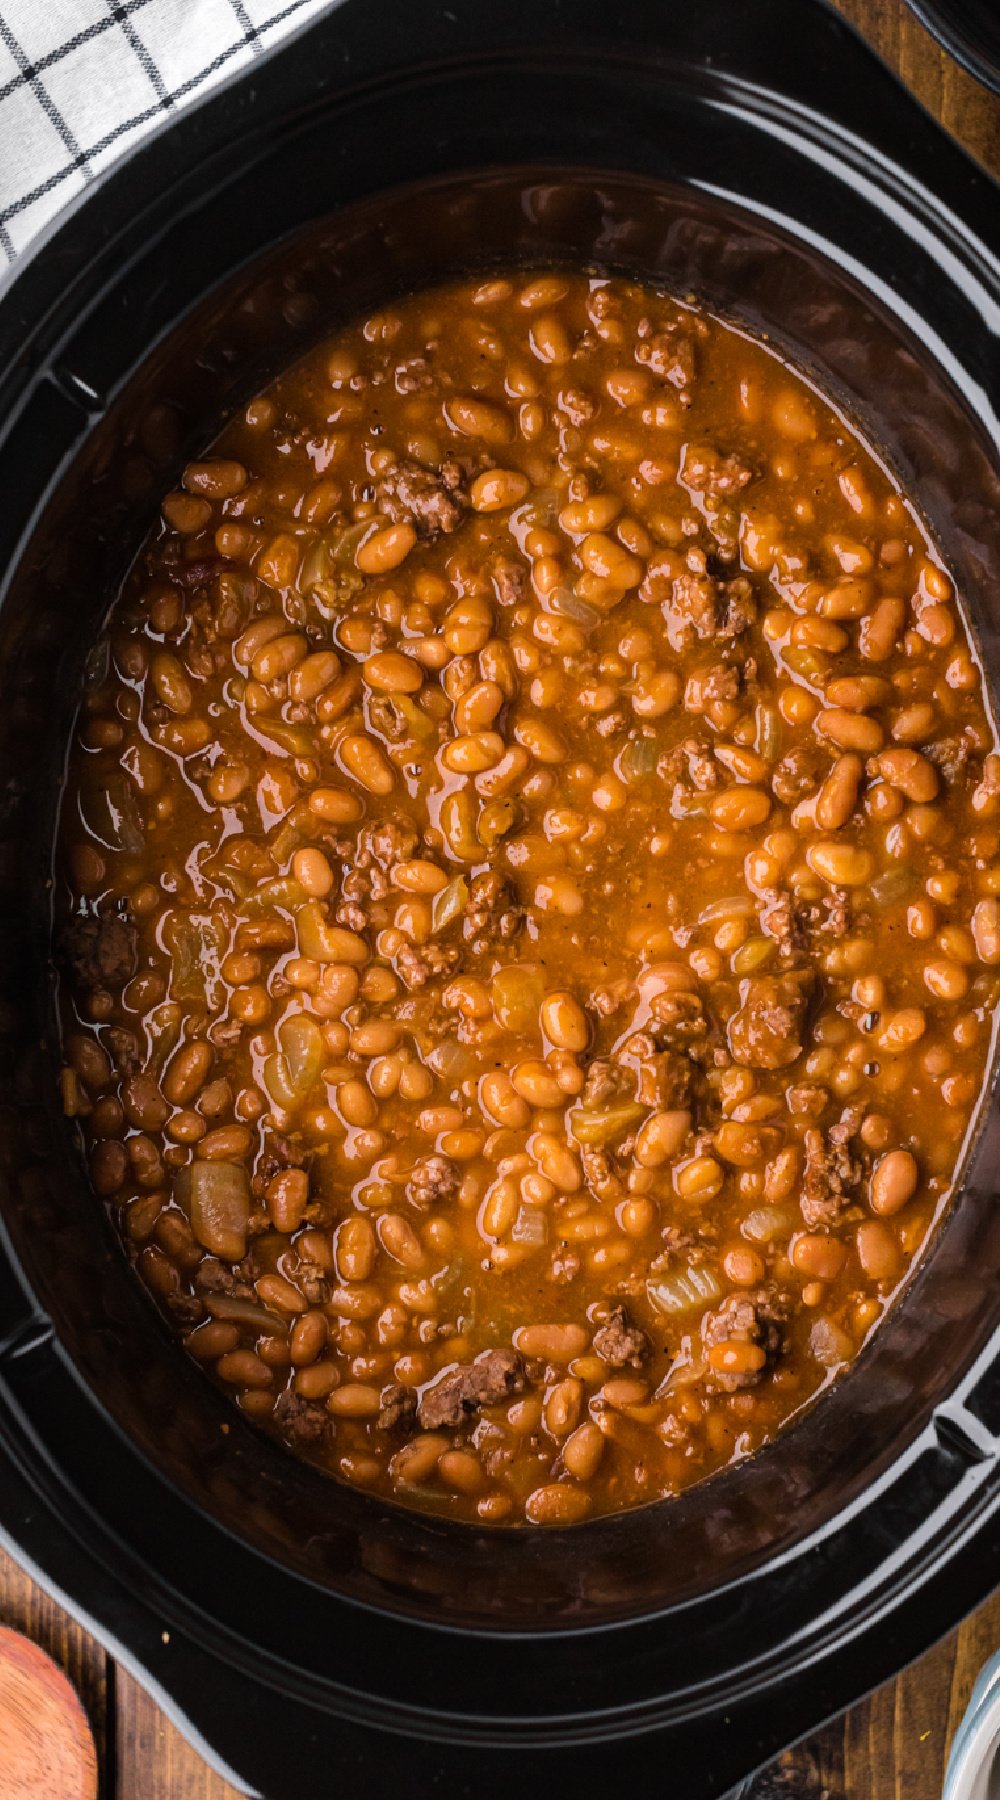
x=665 y=1080
x=463 y=673
x=690 y=760
x=448 y=1400
x=766 y=1031
x=679 y=1019
x=302 y=1421
x=704 y=470
x=186 y=1308
x=225 y=1033
x=398 y=1409
x=793 y=923
x=782 y=920
x=611 y=723
x=432 y=501
x=606 y=1080
x=413 y=375
x=417 y=964
x=126 y=1051
x=101 y=952
x=277 y=1153
x=197 y=574
x=510 y=579
x=577 y=405
x=386 y=718
x=565 y=1265
x=739 y=609
x=492 y=915
x=691 y=611
x=621 y=1344
x=676 y=1239
x=311 y=1278
x=601 y=1176
x=214 y=1277
x=832 y=1174
x=744 y=1319
x=836 y=906
x=387 y=842
x=670 y=355
x=350 y=914
x=950 y=755
x=720 y=682
x=807 y=1099
x=610 y=998
x=433 y=1178
x=799 y=773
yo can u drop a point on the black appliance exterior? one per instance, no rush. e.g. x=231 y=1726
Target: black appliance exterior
x=756 y=153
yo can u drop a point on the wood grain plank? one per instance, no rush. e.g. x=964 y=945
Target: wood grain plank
x=24 y=1607
x=965 y=108
x=154 y=1761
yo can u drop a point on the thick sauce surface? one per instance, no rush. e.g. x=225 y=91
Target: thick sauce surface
x=529 y=879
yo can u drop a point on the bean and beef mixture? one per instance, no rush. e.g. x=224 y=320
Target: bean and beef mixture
x=528 y=899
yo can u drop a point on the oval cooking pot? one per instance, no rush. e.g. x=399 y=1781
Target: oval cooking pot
x=754 y=153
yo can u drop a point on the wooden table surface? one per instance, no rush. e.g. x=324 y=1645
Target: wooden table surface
x=892 y=1746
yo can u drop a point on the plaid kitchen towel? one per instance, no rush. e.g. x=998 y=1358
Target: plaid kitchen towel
x=83 y=80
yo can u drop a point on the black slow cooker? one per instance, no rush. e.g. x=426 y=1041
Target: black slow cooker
x=751 y=152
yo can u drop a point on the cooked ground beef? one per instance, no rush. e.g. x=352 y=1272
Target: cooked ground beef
x=100 y=951
x=432 y=1179
x=492 y=915
x=451 y=1397
x=416 y=964
x=751 y=1318
x=832 y=1175
x=304 y=1421
x=707 y=471
x=434 y=501
x=670 y=355
x=766 y=1031
x=398 y=1410
x=606 y=1080
x=621 y=1344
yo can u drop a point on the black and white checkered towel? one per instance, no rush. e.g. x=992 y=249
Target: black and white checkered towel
x=82 y=80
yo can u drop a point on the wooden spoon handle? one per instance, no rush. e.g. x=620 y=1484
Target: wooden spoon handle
x=46 y=1748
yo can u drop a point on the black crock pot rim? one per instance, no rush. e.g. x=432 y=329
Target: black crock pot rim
x=957 y=169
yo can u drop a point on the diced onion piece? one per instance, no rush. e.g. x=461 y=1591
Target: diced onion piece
x=594 y=1126
x=284 y=892
x=517 y=993
x=894 y=885
x=767 y=1224
x=530 y=1227
x=216 y=1197
x=421 y=728
x=570 y=605
x=830 y=1343
x=735 y=906
x=244 y=1312
x=112 y=814
x=690 y=1290
x=453 y=1062
x=639 y=758
x=768 y=733
x=278 y=1082
x=447 y=904
x=303 y=1051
